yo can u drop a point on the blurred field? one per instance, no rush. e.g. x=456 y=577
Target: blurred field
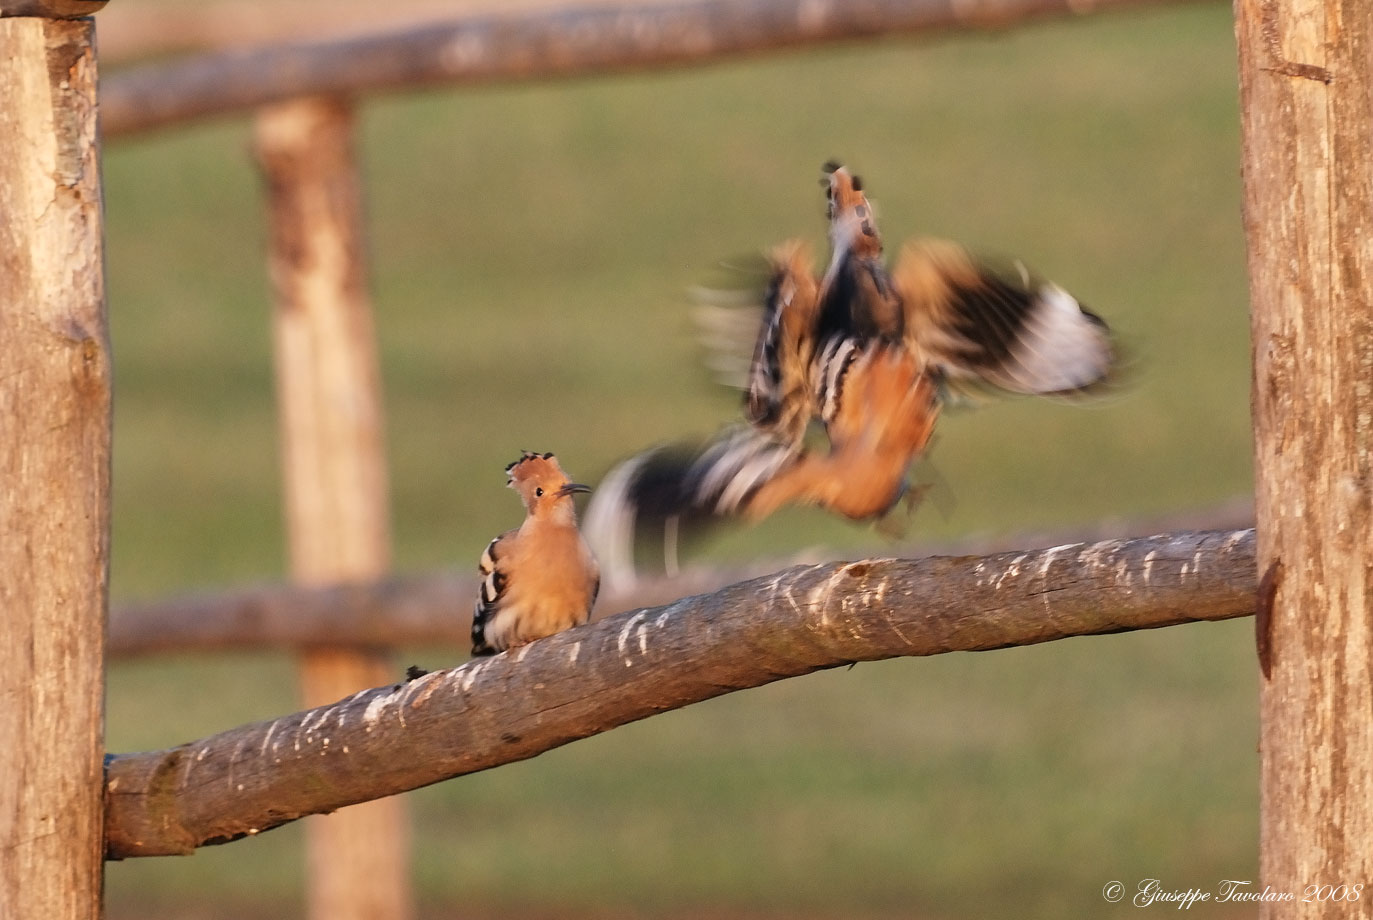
x=531 y=251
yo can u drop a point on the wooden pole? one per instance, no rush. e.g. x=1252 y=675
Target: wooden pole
x=54 y=472
x=583 y=681
x=334 y=461
x=1306 y=83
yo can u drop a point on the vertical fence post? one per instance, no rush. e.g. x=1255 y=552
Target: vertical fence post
x=54 y=472
x=334 y=461
x=1306 y=87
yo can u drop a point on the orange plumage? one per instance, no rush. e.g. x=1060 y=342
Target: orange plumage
x=540 y=578
x=871 y=355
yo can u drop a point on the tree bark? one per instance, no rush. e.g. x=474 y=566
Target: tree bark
x=538 y=45
x=1306 y=83
x=329 y=393
x=588 y=680
x=54 y=472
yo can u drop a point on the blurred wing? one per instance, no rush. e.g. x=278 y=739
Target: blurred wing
x=778 y=398
x=656 y=495
x=1007 y=329
x=726 y=313
x=727 y=324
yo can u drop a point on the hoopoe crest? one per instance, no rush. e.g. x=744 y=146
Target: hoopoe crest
x=540 y=578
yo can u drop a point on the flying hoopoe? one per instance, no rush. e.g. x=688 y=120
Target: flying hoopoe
x=541 y=578
x=870 y=354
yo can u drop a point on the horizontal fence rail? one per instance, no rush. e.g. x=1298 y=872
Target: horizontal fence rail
x=535 y=45
x=591 y=679
x=436 y=608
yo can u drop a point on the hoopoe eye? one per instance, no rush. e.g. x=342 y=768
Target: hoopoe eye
x=538 y=493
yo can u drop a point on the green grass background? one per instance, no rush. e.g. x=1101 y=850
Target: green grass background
x=531 y=250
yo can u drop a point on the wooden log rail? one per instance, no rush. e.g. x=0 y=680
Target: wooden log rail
x=435 y=608
x=585 y=681
x=142 y=32
x=536 y=44
x=397 y=611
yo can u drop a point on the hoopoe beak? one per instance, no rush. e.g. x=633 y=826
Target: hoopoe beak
x=570 y=487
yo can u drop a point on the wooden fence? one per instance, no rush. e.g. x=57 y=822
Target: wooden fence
x=1305 y=79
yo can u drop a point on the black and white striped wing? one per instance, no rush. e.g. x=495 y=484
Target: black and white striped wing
x=829 y=373
x=1005 y=328
x=733 y=467
x=494 y=583
x=664 y=494
x=778 y=399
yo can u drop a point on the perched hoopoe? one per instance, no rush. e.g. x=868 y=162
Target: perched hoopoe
x=541 y=578
x=871 y=355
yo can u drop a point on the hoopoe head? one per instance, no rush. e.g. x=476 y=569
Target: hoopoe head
x=852 y=224
x=541 y=482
